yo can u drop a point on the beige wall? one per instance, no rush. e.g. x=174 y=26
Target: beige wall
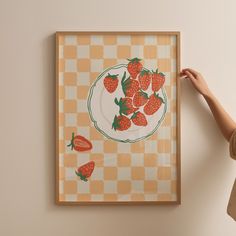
x=27 y=117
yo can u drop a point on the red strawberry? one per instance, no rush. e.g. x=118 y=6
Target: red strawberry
x=140 y=98
x=139 y=119
x=158 y=79
x=85 y=171
x=134 y=67
x=129 y=86
x=126 y=106
x=144 y=79
x=111 y=82
x=153 y=104
x=80 y=143
x=121 y=123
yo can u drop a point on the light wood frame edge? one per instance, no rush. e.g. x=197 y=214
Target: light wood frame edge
x=178 y=117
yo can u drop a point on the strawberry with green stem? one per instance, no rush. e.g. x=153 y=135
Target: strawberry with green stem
x=158 y=80
x=140 y=98
x=139 y=119
x=144 y=79
x=126 y=106
x=111 y=82
x=153 y=104
x=129 y=86
x=85 y=171
x=134 y=67
x=80 y=143
x=121 y=123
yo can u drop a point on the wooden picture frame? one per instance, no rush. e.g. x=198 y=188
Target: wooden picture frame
x=118 y=120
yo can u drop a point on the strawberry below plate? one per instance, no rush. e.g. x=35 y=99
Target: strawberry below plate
x=102 y=109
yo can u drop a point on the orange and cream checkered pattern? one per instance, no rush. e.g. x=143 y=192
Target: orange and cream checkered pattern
x=141 y=171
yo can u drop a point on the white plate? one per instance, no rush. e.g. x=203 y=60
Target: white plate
x=102 y=109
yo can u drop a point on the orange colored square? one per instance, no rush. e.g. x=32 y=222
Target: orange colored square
x=164 y=197
x=163 y=40
x=137 y=173
x=96 y=187
x=123 y=160
x=173 y=106
x=150 y=52
x=173 y=132
x=109 y=39
x=150 y=160
x=173 y=52
x=83 y=39
x=95 y=134
x=137 y=197
x=68 y=132
x=61 y=40
x=70 y=52
x=61 y=173
x=109 y=63
x=97 y=158
x=83 y=65
x=70 y=160
x=110 y=146
x=154 y=136
x=110 y=173
x=70 y=106
x=123 y=52
x=82 y=92
x=164 y=146
x=62 y=197
x=174 y=186
x=61 y=146
x=93 y=76
x=164 y=173
x=69 y=78
x=96 y=52
x=123 y=187
x=150 y=186
x=110 y=197
x=61 y=92
x=167 y=119
x=138 y=147
x=83 y=119
x=168 y=91
x=61 y=65
x=70 y=187
x=164 y=65
x=83 y=197
x=61 y=119
x=137 y=39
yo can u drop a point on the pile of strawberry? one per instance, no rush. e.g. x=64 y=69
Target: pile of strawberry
x=134 y=86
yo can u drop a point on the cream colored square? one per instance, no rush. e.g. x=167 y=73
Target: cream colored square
x=83 y=52
x=163 y=51
x=164 y=186
x=110 y=186
x=70 y=65
x=123 y=173
x=70 y=92
x=110 y=52
x=110 y=159
x=82 y=105
x=137 y=159
x=96 y=65
x=83 y=78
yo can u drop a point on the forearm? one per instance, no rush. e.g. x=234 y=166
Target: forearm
x=223 y=119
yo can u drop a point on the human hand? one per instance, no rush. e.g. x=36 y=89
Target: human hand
x=197 y=81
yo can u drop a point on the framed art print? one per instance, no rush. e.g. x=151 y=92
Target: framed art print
x=117 y=117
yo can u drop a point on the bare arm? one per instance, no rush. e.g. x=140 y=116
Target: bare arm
x=226 y=124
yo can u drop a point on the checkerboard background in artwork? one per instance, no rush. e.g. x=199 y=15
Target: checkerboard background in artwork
x=141 y=171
